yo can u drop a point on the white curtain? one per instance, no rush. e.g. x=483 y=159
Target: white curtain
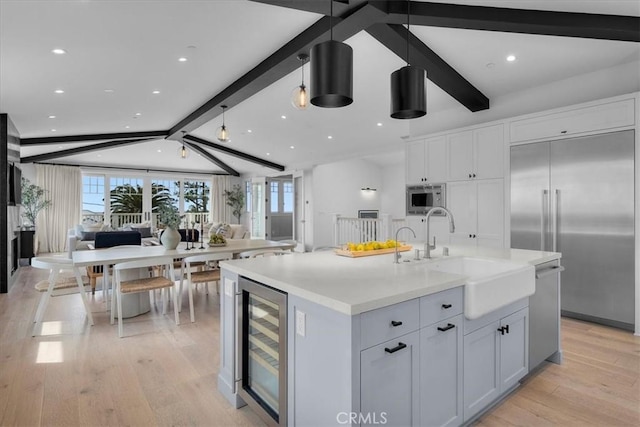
x=220 y=211
x=63 y=186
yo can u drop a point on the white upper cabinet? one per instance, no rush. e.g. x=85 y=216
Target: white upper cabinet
x=476 y=154
x=580 y=120
x=426 y=161
x=478 y=210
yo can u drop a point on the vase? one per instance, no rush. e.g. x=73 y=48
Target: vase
x=170 y=238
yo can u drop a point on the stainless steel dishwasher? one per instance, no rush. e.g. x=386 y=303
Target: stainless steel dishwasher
x=544 y=316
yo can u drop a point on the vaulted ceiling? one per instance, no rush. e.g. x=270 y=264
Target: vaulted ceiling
x=128 y=99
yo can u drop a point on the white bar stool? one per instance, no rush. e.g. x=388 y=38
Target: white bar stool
x=55 y=287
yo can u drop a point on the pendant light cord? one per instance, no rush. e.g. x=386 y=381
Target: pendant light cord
x=408 y=27
x=331 y=18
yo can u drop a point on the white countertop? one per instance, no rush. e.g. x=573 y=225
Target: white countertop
x=355 y=285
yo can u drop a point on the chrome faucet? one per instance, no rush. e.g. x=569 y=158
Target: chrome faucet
x=428 y=247
x=396 y=257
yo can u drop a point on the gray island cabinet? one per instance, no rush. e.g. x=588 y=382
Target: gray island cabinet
x=407 y=360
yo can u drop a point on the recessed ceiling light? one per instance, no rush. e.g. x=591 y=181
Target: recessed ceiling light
x=490 y=65
x=59 y=51
x=127 y=127
x=58 y=91
x=292 y=147
x=268 y=154
x=59 y=146
x=378 y=124
x=511 y=58
x=155 y=92
x=329 y=137
x=159 y=151
x=99 y=155
x=138 y=114
x=283 y=117
x=109 y=91
x=182 y=59
x=52 y=117
x=53 y=130
x=249 y=130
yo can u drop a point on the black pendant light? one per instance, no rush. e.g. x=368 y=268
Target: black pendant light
x=408 y=93
x=331 y=72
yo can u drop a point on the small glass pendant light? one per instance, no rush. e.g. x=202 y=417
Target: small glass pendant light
x=300 y=96
x=222 y=133
x=182 y=151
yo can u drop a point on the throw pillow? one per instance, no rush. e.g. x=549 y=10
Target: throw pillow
x=79 y=229
x=212 y=228
x=98 y=226
x=144 y=231
x=225 y=231
x=140 y=225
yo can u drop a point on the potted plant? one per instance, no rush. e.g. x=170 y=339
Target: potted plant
x=33 y=201
x=169 y=216
x=235 y=199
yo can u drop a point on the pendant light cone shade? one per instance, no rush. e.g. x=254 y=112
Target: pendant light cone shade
x=331 y=74
x=408 y=93
x=222 y=133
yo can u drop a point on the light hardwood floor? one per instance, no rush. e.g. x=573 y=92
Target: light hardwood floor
x=163 y=374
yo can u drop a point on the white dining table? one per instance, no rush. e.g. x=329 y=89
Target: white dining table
x=139 y=304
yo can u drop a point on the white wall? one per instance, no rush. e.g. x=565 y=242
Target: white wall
x=337 y=189
x=392 y=196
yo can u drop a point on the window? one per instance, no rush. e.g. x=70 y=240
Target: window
x=275 y=198
x=196 y=201
x=164 y=192
x=247 y=195
x=93 y=198
x=287 y=196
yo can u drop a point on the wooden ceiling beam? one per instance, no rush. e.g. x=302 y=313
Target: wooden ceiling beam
x=232 y=152
x=94 y=137
x=394 y=38
x=524 y=21
x=83 y=149
x=213 y=159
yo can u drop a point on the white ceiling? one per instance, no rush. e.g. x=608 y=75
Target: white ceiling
x=132 y=48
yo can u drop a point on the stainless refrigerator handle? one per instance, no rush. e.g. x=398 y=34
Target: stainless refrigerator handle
x=556 y=221
x=543 y=216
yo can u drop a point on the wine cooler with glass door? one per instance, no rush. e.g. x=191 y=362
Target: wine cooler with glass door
x=262 y=350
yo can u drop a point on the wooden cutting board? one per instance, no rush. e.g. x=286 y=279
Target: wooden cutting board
x=357 y=254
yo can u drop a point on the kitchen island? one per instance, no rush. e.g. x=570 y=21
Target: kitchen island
x=369 y=341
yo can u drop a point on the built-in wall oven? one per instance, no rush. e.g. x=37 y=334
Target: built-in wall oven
x=262 y=350
x=422 y=198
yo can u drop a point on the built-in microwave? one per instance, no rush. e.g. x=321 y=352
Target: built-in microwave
x=422 y=198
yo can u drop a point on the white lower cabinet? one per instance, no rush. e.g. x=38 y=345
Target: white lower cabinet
x=389 y=382
x=495 y=359
x=441 y=373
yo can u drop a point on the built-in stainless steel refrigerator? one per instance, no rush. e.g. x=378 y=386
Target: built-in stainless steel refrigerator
x=576 y=196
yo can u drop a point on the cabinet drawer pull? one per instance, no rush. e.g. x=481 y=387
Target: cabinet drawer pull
x=446 y=328
x=501 y=330
x=400 y=346
x=446 y=306
x=395 y=323
x=506 y=329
